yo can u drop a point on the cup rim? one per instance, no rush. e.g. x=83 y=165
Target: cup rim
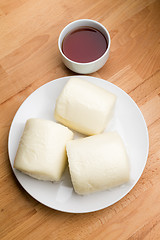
x=87 y=63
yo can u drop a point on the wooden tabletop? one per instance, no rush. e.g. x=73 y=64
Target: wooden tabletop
x=29 y=57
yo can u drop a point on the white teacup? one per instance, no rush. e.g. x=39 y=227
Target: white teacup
x=89 y=67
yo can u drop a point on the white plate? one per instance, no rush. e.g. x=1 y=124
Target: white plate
x=128 y=121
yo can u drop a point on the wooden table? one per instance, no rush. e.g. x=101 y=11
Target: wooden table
x=29 y=57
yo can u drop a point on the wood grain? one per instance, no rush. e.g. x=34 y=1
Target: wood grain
x=29 y=58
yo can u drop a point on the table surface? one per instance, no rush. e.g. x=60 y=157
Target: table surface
x=29 y=57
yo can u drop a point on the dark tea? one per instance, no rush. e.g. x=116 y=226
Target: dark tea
x=85 y=44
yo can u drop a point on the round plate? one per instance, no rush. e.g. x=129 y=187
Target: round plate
x=127 y=120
